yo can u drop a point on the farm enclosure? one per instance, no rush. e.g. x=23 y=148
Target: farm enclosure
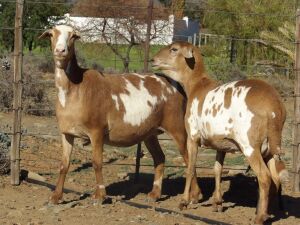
x=40 y=147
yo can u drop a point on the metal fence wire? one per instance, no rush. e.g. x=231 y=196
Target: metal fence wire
x=33 y=76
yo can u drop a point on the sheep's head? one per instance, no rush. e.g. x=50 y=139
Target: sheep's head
x=62 y=43
x=177 y=60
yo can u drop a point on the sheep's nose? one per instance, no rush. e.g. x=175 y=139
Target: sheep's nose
x=152 y=60
x=60 y=50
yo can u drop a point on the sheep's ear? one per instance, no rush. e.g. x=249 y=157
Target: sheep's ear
x=76 y=35
x=46 y=34
x=187 y=52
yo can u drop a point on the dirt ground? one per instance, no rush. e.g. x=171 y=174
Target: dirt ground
x=128 y=203
x=27 y=204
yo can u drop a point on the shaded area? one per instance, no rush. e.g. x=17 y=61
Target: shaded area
x=242 y=192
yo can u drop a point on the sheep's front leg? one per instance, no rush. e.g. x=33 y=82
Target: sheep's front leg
x=97 y=161
x=67 y=143
x=192 y=146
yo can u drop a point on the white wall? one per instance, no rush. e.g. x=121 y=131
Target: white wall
x=90 y=29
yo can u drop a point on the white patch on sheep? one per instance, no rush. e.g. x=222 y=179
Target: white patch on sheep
x=194 y=119
x=139 y=75
x=59 y=73
x=217 y=167
x=226 y=122
x=264 y=146
x=136 y=104
x=163 y=86
x=158 y=182
x=115 y=98
x=62 y=40
x=273 y=115
x=159 y=80
x=62 y=96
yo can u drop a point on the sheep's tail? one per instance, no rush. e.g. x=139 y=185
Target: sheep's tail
x=276 y=119
x=279 y=173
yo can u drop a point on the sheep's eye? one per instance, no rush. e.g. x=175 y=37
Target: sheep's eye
x=174 y=49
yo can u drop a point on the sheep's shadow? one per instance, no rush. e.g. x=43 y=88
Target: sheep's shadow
x=242 y=191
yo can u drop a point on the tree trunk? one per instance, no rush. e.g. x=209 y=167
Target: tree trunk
x=245 y=57
x=126 y=65
x=30 y=46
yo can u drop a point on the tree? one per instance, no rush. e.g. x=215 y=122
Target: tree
x=7 y=16
x=246 y=19
x=37 y=16
x=282 y=40
x=120 y=22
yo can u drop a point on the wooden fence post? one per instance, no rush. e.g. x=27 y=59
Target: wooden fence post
x=146 y=60
x=17 y=103
x=233 y=50
x=139 y=155
x=296 y=144
x=147 y=41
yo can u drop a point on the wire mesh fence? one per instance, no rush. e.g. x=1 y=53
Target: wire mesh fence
x=114 y=42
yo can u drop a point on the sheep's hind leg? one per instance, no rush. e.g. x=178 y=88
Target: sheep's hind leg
x=264 y=180
x=217 y=196
x=158 y=156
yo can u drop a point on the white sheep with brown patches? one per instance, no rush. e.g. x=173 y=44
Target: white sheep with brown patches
x=243 y=115
x=119 y=110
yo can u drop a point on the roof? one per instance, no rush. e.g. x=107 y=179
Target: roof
x=119 y=9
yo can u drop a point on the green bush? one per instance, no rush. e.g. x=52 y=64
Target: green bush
x=222 y=70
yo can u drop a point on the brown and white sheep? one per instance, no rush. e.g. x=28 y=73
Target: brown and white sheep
x=245 y=115
x=119 y=110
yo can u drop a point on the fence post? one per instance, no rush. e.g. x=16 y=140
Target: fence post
x=147 y=41
x=139 y=154
x=17 y=89
x=199 y=39
x=233 y=53
x=296 y=144
x=194 y=39
x=146 y=60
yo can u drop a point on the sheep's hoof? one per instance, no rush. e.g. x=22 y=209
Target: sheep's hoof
x=260 y=219
x=101 y=201
x=183 y=205
x=54 y=199
x=96 y=202
x=195 y=198
x=154 y=195
x=99 y=198
x=217 y=208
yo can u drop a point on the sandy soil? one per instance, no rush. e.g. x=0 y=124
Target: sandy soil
x=128 y=203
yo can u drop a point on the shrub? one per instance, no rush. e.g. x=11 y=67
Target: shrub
x=46 y=66
x=35 y=94
x=4 y=153
x=226 y=72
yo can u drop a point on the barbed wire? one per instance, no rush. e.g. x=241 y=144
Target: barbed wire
x=200 y=35
x=195 y=10
x=209 y=35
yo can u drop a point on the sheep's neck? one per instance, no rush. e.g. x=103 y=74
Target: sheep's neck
x=198 y=81
x=70 y=75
